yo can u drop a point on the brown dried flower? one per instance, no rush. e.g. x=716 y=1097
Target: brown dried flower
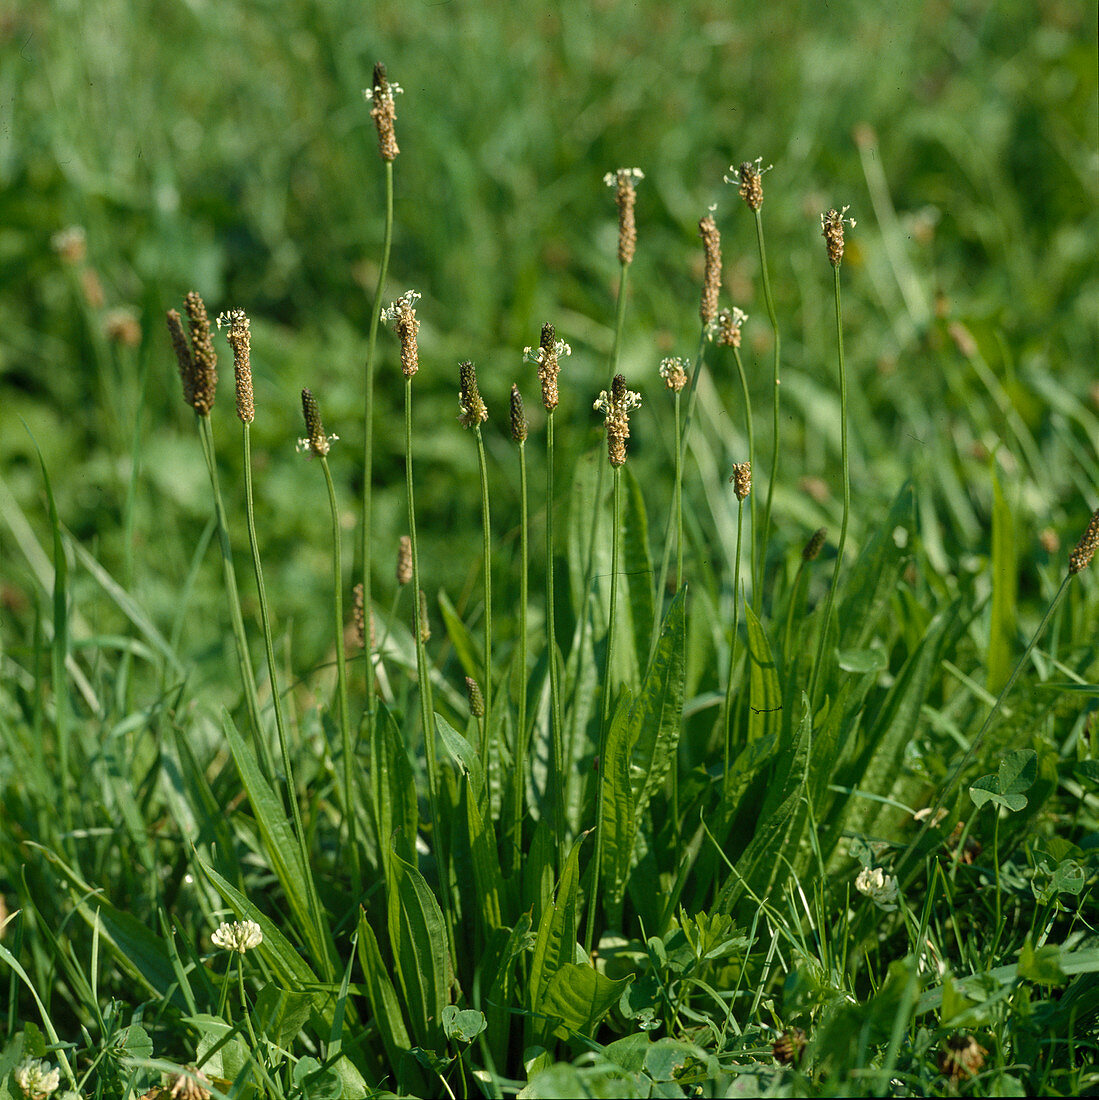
x=616 y=408
x=517 y=415
x=315 y=441
x=624 y=182
x=197 y=360
x=240 y=340
x=473 y=411
x=742 y=479
x=189 y=1085
x=831 y=227
x=1081 y=557
x=383 y=111
x=402 y=315
x=547 y=357
x=725 y=328
x=961 y=1056
x=711 y=283
x=674 y=373
x=404 y=560
x=789 y=1046
x=749 y=178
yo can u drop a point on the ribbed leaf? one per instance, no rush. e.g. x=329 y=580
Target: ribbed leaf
x=486 y=863
x=617 y=816
x=393 y=785
x=578 y=997
x=418 y=936
x=464 y=646
x=765 y=688
x=657 y=713
x=463 y=754
x=555 y=945
x=637 y=566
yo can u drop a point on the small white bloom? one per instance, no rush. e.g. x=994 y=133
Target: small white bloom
x=538 y=355
x=391 y=91
x=240 y=935
x=735 y=169
x=879 y=887
x=36 y=1081
x=925 y=813
x=626 y=174
x=402 y=305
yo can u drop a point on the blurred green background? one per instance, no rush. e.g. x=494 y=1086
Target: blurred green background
x=226 y=147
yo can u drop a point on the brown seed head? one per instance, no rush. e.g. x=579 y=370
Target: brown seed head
x=183 y=355
x=788 y=1047
x=189 y=1085
x=547 y=356
x=70 y=244
x=476 y=699
x=742 y=479
x=517 y=416
x=813 y=546
x=749 y=178
x=961 y=1056
x=404 y=560
x=315 y=440
x=240 y=340
x=1081 y=557
x=358 y=616
x=473 y=412
x=204 y=358
x=121 y=326
x=383 y=111
x=831 y=227
x=711 y=283
x=725 y=328
x=674 y=373
x=624 y=182
x=425 y=624
x=616 y=407
x=402 y=315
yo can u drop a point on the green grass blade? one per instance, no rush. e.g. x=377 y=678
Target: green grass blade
x=764 y=686
x=636 y=568
x=464 y=646
x=617 y=815
x=1005 y=584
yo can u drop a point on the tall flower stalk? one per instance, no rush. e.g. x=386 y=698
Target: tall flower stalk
x=749 y=178
x=742 y=487
x=318 y=445
x=382 y=97
x=547 y=357
x=518 y=422
x=473 y=415
x=240 y=340
x=832 y=228
x=674 y=373
x=616 y=407
x=198 y=373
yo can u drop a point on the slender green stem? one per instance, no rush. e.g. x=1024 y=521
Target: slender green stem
x=732 y=648
x=821 y=641
x=232 y=595
x=560 y=768
x=751 y=460
x=605 y=721
x=791 y=608
x=423 y=675
x=486 y=537
x=368 y=432
x=677 y=504
x=341 y=678
x=276 y=695
x=519 y=780
x=773 y=317
x=670 y=531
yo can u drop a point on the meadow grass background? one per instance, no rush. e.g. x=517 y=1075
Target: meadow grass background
x=227 y=148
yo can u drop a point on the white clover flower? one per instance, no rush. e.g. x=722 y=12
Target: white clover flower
x=925 y=813
x=36 y=1081
x=879 y=887
x=626 y=174
x=240 y=935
